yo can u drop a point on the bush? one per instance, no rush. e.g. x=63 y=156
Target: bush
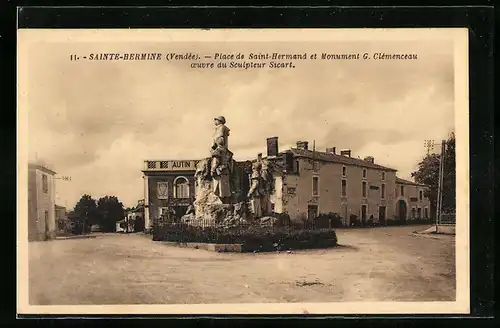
x=326 y=220
x=252 y=237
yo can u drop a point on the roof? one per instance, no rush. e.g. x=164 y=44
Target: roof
x=60 y=207
x=408 y=182
x=33 y=166
x=341 y=159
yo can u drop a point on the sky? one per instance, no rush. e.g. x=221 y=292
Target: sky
x=98 y=121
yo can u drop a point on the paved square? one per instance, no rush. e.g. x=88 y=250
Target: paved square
x=379 y=264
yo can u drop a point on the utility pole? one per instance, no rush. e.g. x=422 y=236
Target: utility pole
x=440 y=184
x=429 y=144
x=314 y=155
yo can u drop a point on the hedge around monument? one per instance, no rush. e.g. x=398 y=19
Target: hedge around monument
x=252 y=238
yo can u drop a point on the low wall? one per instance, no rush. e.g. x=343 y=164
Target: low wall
x=446 y=229
x=233 y=248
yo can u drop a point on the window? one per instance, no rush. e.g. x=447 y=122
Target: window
x=383 y=176
x=162 y=190
x=296 y=166
x=382 y=191
x=344 y=171
x=426 y=213
x=181 y=187
x=315 y=186
x=45 y=183
x=364 y=173
x=421 y=195
x=344 y=187
x=419 y=213
x=364 y=188
x=413 y=212
x=402 y=190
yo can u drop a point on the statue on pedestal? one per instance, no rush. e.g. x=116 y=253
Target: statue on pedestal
x=221 y=160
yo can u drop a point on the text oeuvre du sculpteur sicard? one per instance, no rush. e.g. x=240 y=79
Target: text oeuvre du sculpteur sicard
x=273 y=60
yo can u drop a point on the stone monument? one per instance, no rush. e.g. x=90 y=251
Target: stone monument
x=214 y=203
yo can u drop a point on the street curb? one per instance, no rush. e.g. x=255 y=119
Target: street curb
x=229 y=248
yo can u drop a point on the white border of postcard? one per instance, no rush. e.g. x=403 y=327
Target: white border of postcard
x=459 y=36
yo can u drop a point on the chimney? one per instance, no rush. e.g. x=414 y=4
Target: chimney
x=345 y=152
x=272 y=147
x=289 y=161
x=259 y=157
x=303 y=145
x=369 y=159
x=330 y=150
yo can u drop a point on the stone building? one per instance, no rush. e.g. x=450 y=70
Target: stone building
x=311 y=183
x=411 y=200
x=41 y=203
x=167 y=184
x=61 y=220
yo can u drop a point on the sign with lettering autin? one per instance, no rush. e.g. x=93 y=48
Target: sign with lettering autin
x=172 y=165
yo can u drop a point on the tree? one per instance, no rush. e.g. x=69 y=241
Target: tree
x=110 y=211
x=85 y=212
x=428 y=173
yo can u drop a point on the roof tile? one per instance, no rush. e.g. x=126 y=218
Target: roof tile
x=341 y=159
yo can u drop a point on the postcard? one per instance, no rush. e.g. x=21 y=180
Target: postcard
x=243 y=171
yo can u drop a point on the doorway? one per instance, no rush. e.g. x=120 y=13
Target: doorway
x=139 y=224
x=344 y=214
x=363 y=214
x=47 y=227
x=381 y=214
x=312 y=212
x=402 y=210
x=179 y=211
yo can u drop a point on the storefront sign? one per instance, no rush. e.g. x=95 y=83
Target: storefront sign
x=181 y=165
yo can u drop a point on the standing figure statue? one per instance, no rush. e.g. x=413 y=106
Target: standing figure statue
x=222 y=160
x=266 y=179
x=256 y=190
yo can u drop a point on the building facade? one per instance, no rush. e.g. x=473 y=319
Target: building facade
x=326 y=182
x=316 y=182
x=61 y=220
x=41 y=203
x=168 y=184
x=411 y=200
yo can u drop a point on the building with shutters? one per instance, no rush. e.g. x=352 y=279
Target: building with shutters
x=168 y=184
x=41 y=203
x=312 y=182
x=411 y=200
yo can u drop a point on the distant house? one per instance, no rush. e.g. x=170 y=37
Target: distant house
x=41 y=203
x=62 y=221
x=134 y=218
x=412 y=202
